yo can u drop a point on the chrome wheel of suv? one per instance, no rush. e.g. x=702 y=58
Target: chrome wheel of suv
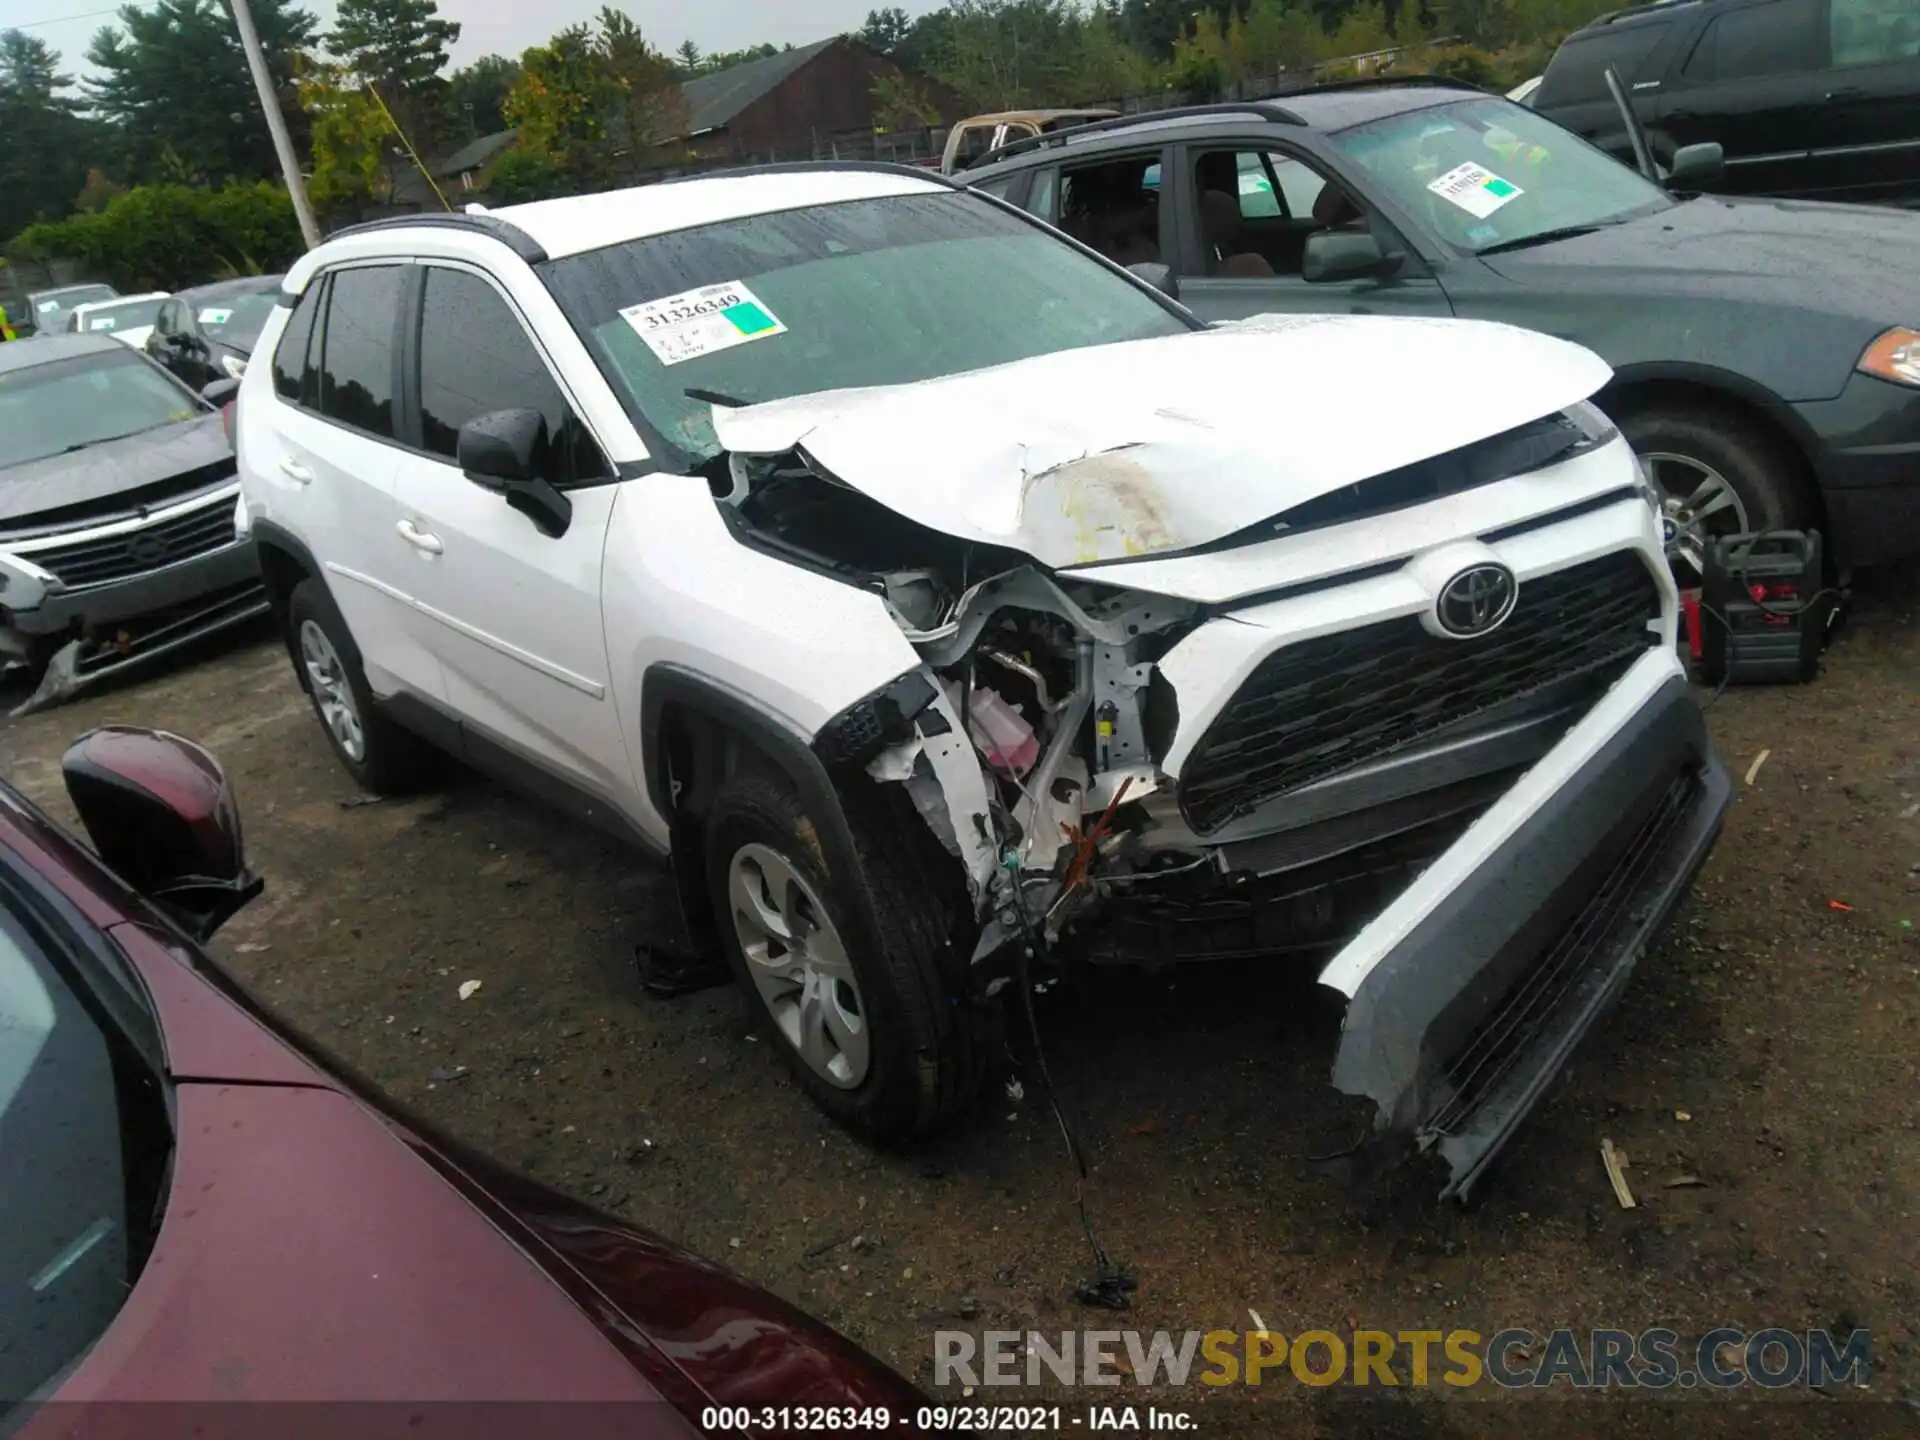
x=1697 y=504
x=798 y=964
x=327 y=678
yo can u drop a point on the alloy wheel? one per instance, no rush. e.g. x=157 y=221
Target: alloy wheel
x=1697 y=504
x=799 y=965
x=327 y=679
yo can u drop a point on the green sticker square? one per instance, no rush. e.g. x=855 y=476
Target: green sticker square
x=748 y=318
x=1494 y=185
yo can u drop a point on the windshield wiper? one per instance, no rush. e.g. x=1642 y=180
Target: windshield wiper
x=715 y=397
x=109 y=439
x=1545 y=237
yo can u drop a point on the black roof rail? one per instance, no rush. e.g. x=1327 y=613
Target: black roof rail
x=1265 y=109
x=777 y=167
x=1388 y=82
x=1635 y=12
x=507 y=233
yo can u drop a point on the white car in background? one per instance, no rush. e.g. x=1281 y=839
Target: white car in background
x=128 y=318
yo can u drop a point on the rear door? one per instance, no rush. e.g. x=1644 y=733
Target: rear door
x=322 y=456
x=1870 y=115
x=1240 y=251
x=1754 y=82
x=513 y=613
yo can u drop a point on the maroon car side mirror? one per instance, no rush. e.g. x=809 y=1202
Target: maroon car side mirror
x=161 y=815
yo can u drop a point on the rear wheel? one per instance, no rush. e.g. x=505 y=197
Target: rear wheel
x=1717 y=474
x=858 y=977
x=382 y=758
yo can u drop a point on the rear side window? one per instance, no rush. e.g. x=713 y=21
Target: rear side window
x=356 y=356
x=476 y=358
x=294 y=378
x=1578 y=72
x=1779 y=38
x=1874 y=32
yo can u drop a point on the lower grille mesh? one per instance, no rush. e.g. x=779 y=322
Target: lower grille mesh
x=1315 y=709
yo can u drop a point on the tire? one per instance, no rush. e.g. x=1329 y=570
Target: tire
x=1686 y=448
x=921 y=1051
x=382 y=758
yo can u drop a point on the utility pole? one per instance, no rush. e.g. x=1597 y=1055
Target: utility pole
x=276 y=122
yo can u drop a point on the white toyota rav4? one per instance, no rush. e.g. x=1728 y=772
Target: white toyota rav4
x=951 y=605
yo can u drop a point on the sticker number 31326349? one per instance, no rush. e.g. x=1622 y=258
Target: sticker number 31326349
x=699 y=322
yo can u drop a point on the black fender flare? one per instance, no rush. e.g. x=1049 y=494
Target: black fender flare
x=1730 y=385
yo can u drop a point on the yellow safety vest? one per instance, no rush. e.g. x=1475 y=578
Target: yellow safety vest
x=6 y=330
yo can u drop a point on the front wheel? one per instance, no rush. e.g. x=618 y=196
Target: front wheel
x=1717 y=474
x=858 y=977
x=381 y=757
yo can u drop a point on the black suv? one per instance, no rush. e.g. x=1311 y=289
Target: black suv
x=1815 y=98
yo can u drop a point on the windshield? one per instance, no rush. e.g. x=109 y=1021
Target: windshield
x=50 y=310
x=83 y=1125
x=130 y=316
x=867 y=292
x=235 y=320
x=1487 y=172
x=71 y=404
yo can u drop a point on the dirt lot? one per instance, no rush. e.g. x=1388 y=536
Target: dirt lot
x=1766 y=1049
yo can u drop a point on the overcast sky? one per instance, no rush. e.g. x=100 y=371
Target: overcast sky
x=507 y=27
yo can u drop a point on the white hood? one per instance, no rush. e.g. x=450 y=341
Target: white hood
x=1161 y=445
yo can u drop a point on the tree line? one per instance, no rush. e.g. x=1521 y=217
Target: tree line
x=171 y=102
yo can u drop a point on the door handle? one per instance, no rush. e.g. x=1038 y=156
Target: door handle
x=296 y=472
x=1847 y=92
x=418 y=538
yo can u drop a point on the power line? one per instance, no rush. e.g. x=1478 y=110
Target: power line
x=62 y=19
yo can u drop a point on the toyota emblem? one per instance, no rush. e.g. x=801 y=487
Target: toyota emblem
x=1476 y=601
x=148 y=549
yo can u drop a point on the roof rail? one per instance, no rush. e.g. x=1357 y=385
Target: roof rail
x=776 y=167
x=508 y=234
x=1387 y=82
x=1265 y=109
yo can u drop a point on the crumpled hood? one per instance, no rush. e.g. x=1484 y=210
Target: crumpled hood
x=1153 y=446
x=102 y=471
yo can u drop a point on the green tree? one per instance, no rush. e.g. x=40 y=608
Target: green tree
x=163 y=237
x=688 y=58
x=477 y=96
x=352 y=141
x=44 y=143
x=399 y=47
x=886 y=30
x=596 y=102
x=174 y=85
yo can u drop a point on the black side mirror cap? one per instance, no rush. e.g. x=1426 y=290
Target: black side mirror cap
x=1159 y=276
x=1696 y=165
x=506 y=451
x=1345 y=255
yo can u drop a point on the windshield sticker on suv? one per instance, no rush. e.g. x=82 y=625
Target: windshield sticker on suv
x=215 y=317
x=1477 y=191
x=699 y=322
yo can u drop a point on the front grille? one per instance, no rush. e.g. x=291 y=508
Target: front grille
x=136 y=552
x=1497 y=1044
x=1313 y=710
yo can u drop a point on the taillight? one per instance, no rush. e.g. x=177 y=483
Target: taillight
x=230 y=418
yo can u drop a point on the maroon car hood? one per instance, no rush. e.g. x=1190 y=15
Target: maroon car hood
x=306 y=1254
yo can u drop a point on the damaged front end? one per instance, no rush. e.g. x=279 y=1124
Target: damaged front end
x=1424 y=729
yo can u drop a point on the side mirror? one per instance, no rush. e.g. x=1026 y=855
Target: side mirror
x=1159 y=276
x=1344 y=255
x=161 y=815
x=219 y=392
x=506 y=451
x=1696 y=165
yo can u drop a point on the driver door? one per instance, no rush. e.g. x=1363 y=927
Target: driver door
x=1245 y=215
x=512 y=613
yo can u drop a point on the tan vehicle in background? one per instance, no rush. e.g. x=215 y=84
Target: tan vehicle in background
x=971 y=138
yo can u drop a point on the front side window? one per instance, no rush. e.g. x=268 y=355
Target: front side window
x=1114 y=207
x=1486 y=173
x=83 y=1125
x=356 y=359
x=475 y=359
x=866 y=292
x=1874 y=32
x=1778 y=38
x=70 y=405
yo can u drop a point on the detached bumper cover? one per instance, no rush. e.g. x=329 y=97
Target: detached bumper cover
x=1457 y=1030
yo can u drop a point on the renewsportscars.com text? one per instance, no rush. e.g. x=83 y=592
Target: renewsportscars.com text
x=1656 y=1359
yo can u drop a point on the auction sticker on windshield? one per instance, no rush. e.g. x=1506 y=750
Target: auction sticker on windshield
x=1477 y=191
x=699 y=322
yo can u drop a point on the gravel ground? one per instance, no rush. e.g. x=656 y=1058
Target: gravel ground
x=1765 y=1049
